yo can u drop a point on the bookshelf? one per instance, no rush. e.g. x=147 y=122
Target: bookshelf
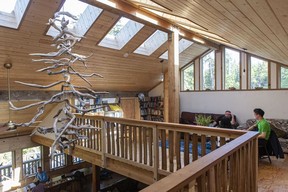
x=152 y=108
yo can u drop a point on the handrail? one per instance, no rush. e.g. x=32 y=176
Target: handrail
x=191 y=172
x=160 y=149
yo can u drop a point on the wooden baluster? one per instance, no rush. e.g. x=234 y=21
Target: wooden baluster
x=203 y=145
x=150 y=144
x=171 y=150
x=122 y=140
x=156 y=153
x=195 y=146
x=163 y=149
x=118 y=139
x=249 y=169
x=113 y=137
x=145 y=144
x=211 y=180
x=135 y=143
x=130 y=142
x=177 y=150
x=254 y=165
x=213 y=143
x=218 y=177
x=201 y=183
x=108 y=135
x=140 y=144
x=224 y=174
x=186 y=148
x=222 y=141
x=125 y=135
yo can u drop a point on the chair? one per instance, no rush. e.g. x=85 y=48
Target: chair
x=262 y=149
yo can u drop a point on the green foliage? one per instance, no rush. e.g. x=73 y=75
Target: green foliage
x=31 y=153
x=6 y=158
x=259 y=73
x=284 y=77
x=203 y=120
x=232 y=69
x=188 y=77
x=208 y=69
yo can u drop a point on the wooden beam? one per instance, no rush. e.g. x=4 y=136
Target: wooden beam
x=125 y=9
x=95 y=178
x=173 y=76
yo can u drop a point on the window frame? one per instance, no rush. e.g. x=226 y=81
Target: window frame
x=279 y=75
x=224 y=69
x=249 y=56
x=182 y=76
x=201 y=70
x=40 y=160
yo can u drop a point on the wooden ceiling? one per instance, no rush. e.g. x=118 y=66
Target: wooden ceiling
x=260 y=26
x=132 y=73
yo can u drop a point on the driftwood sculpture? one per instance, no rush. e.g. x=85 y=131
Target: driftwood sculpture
x=61 y=63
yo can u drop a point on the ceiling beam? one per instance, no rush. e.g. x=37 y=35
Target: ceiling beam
x=124 y=9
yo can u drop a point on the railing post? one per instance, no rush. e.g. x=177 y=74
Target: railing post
x=156 y=153
x=103 y=142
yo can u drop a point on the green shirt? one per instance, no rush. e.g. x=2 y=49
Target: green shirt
x=264 y=126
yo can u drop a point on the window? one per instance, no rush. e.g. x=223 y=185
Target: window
x=208 y=71
x=11 y=12
x=121 y=33
x=283 y=77
x=183 y=45
x=31 y=160
x=232 y=69
x=5 y=166
x=152 y=43
x=59 y=160
x=258 y=73
x=86 y=14
x=187 y=75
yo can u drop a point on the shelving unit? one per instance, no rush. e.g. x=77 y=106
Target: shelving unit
x=152 y=109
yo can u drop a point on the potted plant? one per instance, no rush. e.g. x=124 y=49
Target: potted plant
x=203 y=120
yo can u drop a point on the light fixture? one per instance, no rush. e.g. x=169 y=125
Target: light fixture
x=198 y=40
x=11 y=126
x=162 y=74
x=126 y=55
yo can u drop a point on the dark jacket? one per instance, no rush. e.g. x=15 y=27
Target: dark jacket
x=273 y=146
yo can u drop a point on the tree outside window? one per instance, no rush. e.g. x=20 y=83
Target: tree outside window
x=208 y=71
x=258 y=73
x=232 y=69
x=284 y=77
x=188 y=78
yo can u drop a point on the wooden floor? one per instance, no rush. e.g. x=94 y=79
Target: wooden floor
x=273 y=177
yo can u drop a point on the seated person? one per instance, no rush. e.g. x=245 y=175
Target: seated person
x=228 y=120
x=262 y=125
x=41 y=176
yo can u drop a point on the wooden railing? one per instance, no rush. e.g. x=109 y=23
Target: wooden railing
x=59 y=160
x=30 y=167
x=5 y=172
x=200 y=158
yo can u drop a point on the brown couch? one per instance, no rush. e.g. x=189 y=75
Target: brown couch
x=189 y=117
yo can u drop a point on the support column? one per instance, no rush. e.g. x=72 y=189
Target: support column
x=95 y=178
x=173 y=76
x=46 y=159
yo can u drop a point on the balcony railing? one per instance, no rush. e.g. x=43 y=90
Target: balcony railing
x=58 y=161
x=30 y=167
x=5 y=172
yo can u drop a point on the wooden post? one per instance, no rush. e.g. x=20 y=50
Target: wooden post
x=156 y=153
x=173 y=76
x=95 y=178
x=46 y=159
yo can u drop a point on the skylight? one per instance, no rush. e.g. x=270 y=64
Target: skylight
x=183 y=45
x=121 y=33
x=11 y=12
x=7 y=6
x=87 y=14
x=152 y=43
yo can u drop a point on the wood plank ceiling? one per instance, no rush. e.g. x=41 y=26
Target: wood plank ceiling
x=132 y=73
x=260 y=26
